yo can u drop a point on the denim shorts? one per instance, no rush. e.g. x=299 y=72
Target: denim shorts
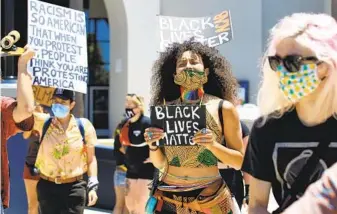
x=119 y=178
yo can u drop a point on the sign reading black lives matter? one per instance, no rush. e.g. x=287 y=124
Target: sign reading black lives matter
x=180 y=123
x=211 y=30
x=58 y=35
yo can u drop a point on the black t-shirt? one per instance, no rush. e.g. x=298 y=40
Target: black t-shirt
x=135 y=156
x=279 y=149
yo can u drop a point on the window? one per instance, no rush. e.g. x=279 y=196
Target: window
x=98 y=51
x=98 y=38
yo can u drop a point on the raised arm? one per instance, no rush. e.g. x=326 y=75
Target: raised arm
x=25 y=96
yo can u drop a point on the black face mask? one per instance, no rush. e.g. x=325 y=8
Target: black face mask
x=129 y=113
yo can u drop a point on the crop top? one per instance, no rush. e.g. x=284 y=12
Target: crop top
x=194 y=156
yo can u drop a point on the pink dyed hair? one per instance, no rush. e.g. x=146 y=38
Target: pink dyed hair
x=317 y=32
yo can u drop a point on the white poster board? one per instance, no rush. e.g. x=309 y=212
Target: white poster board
x=213 y=30
x=58 y=34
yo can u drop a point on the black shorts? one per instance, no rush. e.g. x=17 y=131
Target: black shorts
x=144 y=171
x=234 y=181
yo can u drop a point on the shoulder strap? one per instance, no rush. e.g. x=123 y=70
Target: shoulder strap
x=220 y=115
x=45 y=128
x=221 y=118
x=302 y=180
x=81 y=128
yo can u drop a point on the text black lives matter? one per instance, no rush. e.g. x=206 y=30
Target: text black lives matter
x=180 y=123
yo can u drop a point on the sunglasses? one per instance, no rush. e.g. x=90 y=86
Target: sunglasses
x=291 y=62
x=134 y=95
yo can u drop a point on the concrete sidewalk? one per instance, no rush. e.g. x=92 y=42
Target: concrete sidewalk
x=96 y=211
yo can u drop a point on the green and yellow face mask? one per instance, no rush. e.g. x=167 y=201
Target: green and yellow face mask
x=296 y=85
x=191 y=79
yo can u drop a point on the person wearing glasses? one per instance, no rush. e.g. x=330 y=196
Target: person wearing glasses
x=293 y=142
x=131 y=146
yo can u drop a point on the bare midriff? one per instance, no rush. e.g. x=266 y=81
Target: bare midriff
x=184 y=175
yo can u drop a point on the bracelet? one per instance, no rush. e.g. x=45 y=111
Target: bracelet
x=155 y=149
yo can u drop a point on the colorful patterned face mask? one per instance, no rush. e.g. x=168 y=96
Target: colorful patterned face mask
x=296 y=85
x=191 y=79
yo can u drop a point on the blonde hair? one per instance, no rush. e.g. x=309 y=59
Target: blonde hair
x=317 y=32
x=138 y=101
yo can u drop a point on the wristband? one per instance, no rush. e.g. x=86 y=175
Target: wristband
x=93 y=183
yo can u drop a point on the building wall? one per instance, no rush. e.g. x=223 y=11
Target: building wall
x=275 y=10
x=133 y=51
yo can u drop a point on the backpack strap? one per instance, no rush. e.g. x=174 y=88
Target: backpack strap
x=81 y=128
x=221 y=116
x=45 y=128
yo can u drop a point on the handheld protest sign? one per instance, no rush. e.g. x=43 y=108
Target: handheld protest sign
x=43 y=95
x=213 y=30
x=180 y=123
x=8 y=47
x=58 y=36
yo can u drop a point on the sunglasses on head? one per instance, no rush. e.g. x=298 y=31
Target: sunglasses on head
x=291 y=62
x=134 y=95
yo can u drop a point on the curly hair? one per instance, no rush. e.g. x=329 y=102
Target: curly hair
x=221 y=82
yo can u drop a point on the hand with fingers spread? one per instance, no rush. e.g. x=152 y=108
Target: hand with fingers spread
x=153 y=135
x=204 y=137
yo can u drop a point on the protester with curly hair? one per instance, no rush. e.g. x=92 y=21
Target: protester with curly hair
x=187 y=74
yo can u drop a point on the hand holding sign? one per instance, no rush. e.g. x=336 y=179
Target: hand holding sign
x=27 y=55
x=153 y=135
x=180 y=124
x=204 y=137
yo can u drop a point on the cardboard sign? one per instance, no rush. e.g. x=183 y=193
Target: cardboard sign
x=43 y=95
x=211 y=30
x=180 y=123
x=58 y=35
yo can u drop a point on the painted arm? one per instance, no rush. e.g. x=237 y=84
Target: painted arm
x=231 y=155
x=157 y=157
x=25 y=96
x=259 y=196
